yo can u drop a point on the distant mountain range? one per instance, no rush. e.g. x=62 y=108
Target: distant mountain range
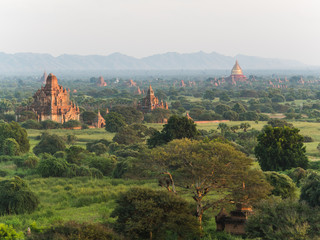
x=33 y=62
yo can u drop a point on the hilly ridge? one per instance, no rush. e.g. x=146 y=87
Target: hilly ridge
x=27 y=62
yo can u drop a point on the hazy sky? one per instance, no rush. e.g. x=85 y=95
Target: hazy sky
x=267 y=28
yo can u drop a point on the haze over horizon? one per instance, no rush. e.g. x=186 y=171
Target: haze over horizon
x=139 y=28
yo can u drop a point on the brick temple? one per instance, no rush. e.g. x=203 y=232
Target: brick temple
x=52 y=102
x=151 y=102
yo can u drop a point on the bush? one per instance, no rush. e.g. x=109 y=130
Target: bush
x=76 y=154
x=31 y=124
x=49 y=144
x=50 y=166
x=14 y=131
x=16 y=197
x=48 y=124
x=9 y=233
x=10 y=147
x=283 y=185
x=71 y=124
x=105 y=165
x=307 y=139
x=283 y=219
x=297 y=174
x=149 y=214
x=3 y=173
x=310 y=189
x=73 y=231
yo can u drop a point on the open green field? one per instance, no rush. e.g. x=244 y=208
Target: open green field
x=81 y=199
x=83 y=136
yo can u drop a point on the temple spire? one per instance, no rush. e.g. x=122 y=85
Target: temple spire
x=236 y=70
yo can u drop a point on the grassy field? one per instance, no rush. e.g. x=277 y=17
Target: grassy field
x=81 y=199
x=83 y=136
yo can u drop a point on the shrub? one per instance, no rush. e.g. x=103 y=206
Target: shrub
x=10 y=147
x=310 y=189
x=307 y=139
x=96 y=173
x=3 y=173
x=14 y=131
x=31 y=162
x=50 y=166
x=31 y=124
x=283 y=219
x=73 y=230
x=71 y=124
x=76 y=154
x=148 y=214
x=105 y=165
x=48 y=124
x=49 y=144
x=99 y=148
x=9 y=233
x=283 y=185
x=297 y=174
x=16 y=197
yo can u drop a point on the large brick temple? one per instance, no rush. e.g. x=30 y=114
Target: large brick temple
x=52 y=102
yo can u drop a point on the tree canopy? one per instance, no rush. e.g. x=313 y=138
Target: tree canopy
x=280 y=148
x=14 y=131
x=114 y=122
x=148 y=214
x=176 y=128
x=49 y=144
x=310 y=189
x=202 y=167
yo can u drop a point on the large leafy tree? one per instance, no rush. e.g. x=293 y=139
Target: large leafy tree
x=130 y=114
x=280 y=148
x=202 y=167
x=176 y=128
x=114 y=122
x=148 y=214
x=134 y=133
x=14 y=131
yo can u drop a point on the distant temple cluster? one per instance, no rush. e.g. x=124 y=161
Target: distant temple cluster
x=151 y=102
x=52 y=102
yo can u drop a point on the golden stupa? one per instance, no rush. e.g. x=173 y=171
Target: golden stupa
x=236 y=70
x=236 y=75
